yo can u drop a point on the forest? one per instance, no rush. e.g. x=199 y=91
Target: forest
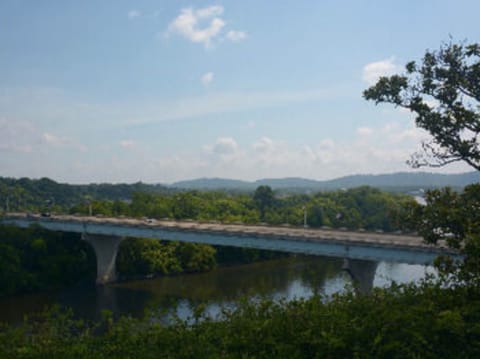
x=361 y=207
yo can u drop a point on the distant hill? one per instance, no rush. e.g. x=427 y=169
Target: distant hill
x=289 y=182
x=213 y=183
x=396 y=181
x=35 y=192
x=405 y=179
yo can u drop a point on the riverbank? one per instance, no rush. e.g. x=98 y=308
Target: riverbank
x=407 y=321
x=289 y=278
x=35 y=260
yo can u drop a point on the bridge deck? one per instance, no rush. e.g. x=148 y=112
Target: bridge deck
x=372 y=238
x=105 y=234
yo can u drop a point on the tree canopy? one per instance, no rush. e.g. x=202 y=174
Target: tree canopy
x=443 y=91
x=264 y=198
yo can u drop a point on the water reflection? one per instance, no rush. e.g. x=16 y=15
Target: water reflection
x=294 y=277
x=361 y=272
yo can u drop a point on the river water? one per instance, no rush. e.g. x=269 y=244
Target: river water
x=292 y=277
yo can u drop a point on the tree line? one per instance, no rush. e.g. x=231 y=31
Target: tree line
x=25 y=194
x=361 y=207
x=357 y=208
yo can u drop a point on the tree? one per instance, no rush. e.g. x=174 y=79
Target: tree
x=263 y=198
x=444 y=93
x=454 y=218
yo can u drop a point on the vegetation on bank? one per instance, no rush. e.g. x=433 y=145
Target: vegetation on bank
x=35 y=259
x=398 y=322
x=140 y=257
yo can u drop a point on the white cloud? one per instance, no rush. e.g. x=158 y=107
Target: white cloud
x=133 y=14
x=268 y=157
x=207 y=78
x=327 y=144
x=364 y=131
x=53 y=140
x=35 y=125
x=17 y=136
x=236 y=36
x=408 y=135
x=225 y=146
x=374 y=70
x=309 y=153
x=321 y=154
x=264 y=145
x=433 y=103
x=189 y=24
x=269 y=154
x=389 y=148
x=27 y=138
x=128 y=144
x=204 y=26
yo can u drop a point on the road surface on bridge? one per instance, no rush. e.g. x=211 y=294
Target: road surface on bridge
x=288 y=232
x=105 y=234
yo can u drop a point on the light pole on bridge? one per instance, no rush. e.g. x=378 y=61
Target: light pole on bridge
x=304 y=217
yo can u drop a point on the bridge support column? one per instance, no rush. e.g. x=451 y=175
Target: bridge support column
x=106 y=249
x=362 y=273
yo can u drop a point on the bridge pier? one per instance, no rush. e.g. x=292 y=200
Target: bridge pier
x=362 y=273
x=106 y=249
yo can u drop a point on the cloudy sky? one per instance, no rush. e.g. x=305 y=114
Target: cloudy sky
x=159 y=91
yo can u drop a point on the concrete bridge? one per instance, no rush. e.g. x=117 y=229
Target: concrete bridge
x=105 y=235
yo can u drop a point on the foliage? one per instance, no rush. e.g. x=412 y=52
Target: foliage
x=444 y=93
x=361 y=207
x=235 y=255
x=145 y=256
x=34 y=258
x=398 y=322
x=453 y=218
x=195 y=257
x=263 y=198
x=45 y=194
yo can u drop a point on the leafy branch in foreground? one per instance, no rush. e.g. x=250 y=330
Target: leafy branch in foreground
x=444 y=93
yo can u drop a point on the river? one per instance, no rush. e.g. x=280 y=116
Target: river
x=292 y=277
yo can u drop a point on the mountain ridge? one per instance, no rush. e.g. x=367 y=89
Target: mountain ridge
x=397 y=179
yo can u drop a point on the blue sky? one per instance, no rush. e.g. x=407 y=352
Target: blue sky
x=159 y=91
